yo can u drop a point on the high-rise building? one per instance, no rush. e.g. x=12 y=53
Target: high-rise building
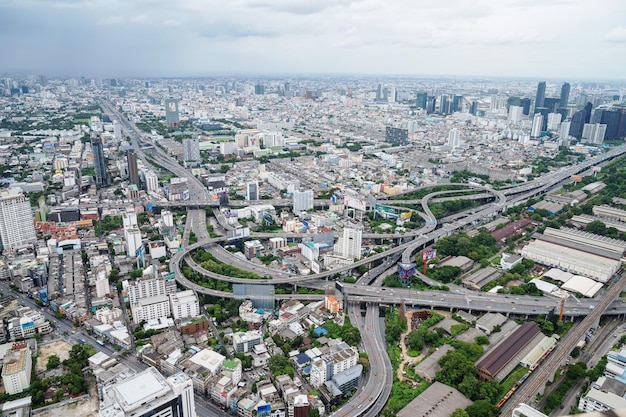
x=148 y=393
x=288 y=92
x=513 y=101
x=445 y=104
x=515 y=113
x=171 y=113
x=457 y=103
x=474 y=108
x=391 y=98
x=535 y=131
x=544 y=111
x=134 y=245
x=259 y=89
x=550 y=103
x=554 y=120
x=614 y=119
x=117 y=130
x=152 y=181
x=594 y=133
x=184 y=304
x=565 y=128
x=454 y=138
x=564 y=96
x=380 y=95
x=16 y=370
x=252 y=191
x=191 y=152
x=133 y=172
x=397 y=136
x=16 y=220
x=526 y=106
x=578 y=121
x=99 y=163
x=349 y=245
x=145 y=287
x=420 y=101
x=541 y=94
x=302 y=200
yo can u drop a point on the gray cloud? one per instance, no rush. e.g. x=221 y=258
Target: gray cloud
x=162 y=37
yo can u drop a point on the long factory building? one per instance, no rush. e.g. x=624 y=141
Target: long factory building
x=578 y=252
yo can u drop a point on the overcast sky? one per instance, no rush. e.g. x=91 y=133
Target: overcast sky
x=561 y=39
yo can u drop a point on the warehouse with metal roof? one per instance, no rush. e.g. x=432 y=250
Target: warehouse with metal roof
x=492 y=365
x=438 y=400
x=577 y=261
x=582 y=220
x=583 y=285
x=479 y=279
x=609 y=212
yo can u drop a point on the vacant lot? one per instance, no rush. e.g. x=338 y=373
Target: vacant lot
x=59 y=347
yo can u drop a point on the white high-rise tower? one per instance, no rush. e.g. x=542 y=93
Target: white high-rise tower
x=349 y=245
x=16 y=220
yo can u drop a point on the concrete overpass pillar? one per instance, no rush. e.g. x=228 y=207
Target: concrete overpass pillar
x=596 y=323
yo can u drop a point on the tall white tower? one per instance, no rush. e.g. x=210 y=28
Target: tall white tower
x=515 y=113
x=302 y=200
x=535 y=131
x=117 y=130
x=16 y=220
x=349 y=245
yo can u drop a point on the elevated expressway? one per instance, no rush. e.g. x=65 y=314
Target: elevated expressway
x=373 y=340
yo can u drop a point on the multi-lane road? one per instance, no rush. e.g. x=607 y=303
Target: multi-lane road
x=373 y=340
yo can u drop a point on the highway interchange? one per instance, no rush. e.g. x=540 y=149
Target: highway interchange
x=371 y=398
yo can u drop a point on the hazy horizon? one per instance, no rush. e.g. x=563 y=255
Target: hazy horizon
x=514 y=39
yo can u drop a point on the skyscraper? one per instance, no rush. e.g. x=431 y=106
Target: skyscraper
x=564 y=95
x=302 y=200
x=99 y=163
x=117 y=130
x=526 y=106
x=457 y=103
x=578 y=121
x=16 y=220
x=535 y=131
x=564 y=131
x=541 y=94
x=171 y=113
x=131 y=161
x=420 y=101
x=349 y=245
x=594 y=133
x=474 y=108
x=191 y=152
x=515 y=113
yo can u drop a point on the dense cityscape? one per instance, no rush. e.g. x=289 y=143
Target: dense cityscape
x=333 y=246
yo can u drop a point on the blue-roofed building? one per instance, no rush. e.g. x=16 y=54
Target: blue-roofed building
x=307 y=369
x=320 y=331
x=302 y=359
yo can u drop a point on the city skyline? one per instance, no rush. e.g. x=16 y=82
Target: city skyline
x=550 y=39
